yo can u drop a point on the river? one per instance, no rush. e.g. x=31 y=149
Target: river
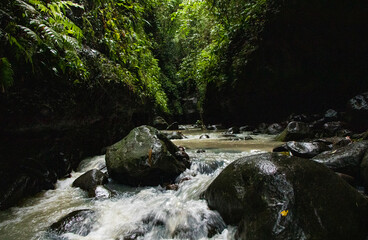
x=144 y=212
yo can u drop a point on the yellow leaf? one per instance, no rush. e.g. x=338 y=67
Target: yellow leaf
x=284 y=213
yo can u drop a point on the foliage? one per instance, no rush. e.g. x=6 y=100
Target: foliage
x=63 y=36
x=6 y=74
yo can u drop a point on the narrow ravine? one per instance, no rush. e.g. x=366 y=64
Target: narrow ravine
x=144 y=212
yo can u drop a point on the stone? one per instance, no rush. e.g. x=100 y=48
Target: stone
x=306 y=149
x=295 y=131
x=357 y=112
x=160 y=123
x=145 y=157
x=90 y=180
x=273 y=196
x=78 y=222
x=274 y=128
x=345 y=160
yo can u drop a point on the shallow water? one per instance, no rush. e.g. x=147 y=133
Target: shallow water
x=145 y=212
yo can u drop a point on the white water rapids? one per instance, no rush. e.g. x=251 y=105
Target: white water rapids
x=144 y=212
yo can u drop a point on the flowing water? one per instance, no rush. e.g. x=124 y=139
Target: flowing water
x=144 y=212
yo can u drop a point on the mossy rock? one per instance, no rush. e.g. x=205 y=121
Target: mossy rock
x=273 y=196
x=145 y=157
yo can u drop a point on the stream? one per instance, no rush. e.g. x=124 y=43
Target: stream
x=143 y=212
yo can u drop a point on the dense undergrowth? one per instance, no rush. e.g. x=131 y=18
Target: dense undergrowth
x=160 y=50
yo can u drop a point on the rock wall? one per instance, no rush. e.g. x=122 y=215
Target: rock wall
x=307 y=57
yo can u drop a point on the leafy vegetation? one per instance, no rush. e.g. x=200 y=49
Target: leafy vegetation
x=164 y=50
x=70 y=37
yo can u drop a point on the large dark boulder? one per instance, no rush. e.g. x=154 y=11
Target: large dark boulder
x=145 y=157
x=90 y=180
x=78 y=222
x=346 y=159
x=273 y=196
x=295 y=131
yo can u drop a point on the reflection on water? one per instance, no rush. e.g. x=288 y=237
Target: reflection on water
x=145 y=212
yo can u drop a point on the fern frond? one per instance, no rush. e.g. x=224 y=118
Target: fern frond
x=30 y=33
x=6 y=74
x=70 y=42
x=26 y=6
x=52 y=35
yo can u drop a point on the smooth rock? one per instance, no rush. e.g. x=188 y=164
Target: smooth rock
x=272 y=196
x=90 y=180
x=145 y=157
x=345 y=160
x=78 y=222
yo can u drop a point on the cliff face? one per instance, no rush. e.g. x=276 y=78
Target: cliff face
x=306 y=56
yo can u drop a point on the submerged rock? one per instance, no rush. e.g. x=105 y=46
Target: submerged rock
x=272 y=196
x=145 y=157
x=345 y=160
x=78 y=222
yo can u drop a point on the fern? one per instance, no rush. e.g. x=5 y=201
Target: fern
x=30 y=33
x=6 y=74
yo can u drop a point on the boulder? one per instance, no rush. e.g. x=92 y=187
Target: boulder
x=358 y=112
x=160 y=123
x=303 y=149
x=331 y=115
x=173 y=126
x=175 y=135
x=274 y=128
x=90 y=180
x=332 y=128
x=295 y=131
x=345 y=160
x=78 y=222
x=233 y=130
x=273 y=196
x=145 y=157
x=364 y=171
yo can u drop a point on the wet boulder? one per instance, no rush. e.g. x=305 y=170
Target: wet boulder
x=295 y=131
x=331 y=115
x=145 y=157
x=273 y=196
x=233 y=130
x=303 y=149
x=333 y=128
x=90 y=180
x=358 y=112
x=175 y=135
x=274 y=128
x=78 y=222
x=160 y=123
x=345 y=160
